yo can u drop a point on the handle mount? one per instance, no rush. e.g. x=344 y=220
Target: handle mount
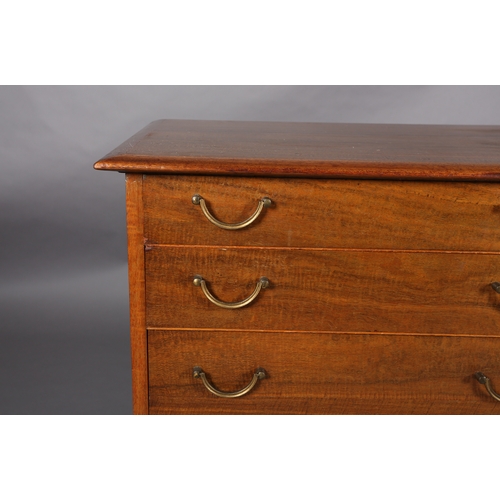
x=198 y=200
x=258 y=375
x=262 y=283
x=483 y=379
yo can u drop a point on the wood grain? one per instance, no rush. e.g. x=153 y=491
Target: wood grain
x=325 y=213
x=367 y=151
x=138 y=337
x=322 y=374
x=325 y=290
x=407 y=266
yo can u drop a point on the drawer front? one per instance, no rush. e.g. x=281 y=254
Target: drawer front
x=321 y=373
x=324 y=213
x=324 y=290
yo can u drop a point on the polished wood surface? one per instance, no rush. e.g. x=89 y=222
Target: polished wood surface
x=367 y=151
x=314 y=373
x=138 y=338
x=325 y=213
x=380 y=297
x=325 y=290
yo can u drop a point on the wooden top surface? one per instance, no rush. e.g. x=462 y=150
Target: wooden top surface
x=365 y=151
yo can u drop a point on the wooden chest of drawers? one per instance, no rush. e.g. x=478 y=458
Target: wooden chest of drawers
x=313 y=268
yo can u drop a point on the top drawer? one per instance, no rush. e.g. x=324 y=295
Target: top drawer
x=324 y=213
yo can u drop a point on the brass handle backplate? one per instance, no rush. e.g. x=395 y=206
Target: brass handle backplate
x=198 y=200
x=483 y=379
x=262 y=283
x=258 y=375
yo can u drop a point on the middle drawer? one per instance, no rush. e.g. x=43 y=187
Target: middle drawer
x=324 y=290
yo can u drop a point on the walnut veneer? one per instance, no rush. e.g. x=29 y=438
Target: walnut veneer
x=380 y=246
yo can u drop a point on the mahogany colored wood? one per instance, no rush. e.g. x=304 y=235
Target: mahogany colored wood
x=366 y=151
x=325 y=290
x=380 y=298
x=138 y=337
x=325 y=213
x=316 y=374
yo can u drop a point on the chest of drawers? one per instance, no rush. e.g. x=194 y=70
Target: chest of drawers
x=294 y=268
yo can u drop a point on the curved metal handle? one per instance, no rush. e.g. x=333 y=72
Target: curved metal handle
x=262 y=283
x=496 y=286
x=198 y=200
x=483 y=379
x=258 y=375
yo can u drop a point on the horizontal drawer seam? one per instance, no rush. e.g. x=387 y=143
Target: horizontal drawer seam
x=150 y=246
x=321 y=332
x=420 y=398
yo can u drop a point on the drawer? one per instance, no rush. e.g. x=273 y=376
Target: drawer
x=380 y=245
x=324 y=213
x=321 y=373
x=324 y=290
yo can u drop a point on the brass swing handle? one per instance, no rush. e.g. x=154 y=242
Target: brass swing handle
x=483 y=379
x=198 y=200
x=262 y=283
x=258 y=375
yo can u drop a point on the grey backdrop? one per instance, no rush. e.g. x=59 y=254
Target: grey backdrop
x=63 y=273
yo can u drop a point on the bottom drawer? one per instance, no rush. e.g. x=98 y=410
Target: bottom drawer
x=318 y=373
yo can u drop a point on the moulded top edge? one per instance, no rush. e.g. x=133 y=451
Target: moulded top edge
x=311 y=150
